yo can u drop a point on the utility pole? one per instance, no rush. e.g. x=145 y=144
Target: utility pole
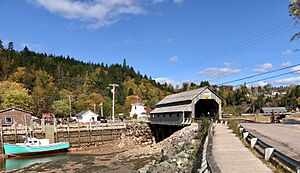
x=101 y=104
x=113 y=102
x=70 y=105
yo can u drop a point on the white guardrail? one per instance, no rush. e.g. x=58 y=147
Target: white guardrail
x=269 y=151
x=208 y=164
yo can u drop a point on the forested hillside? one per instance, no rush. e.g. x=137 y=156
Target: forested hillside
x=43 y=83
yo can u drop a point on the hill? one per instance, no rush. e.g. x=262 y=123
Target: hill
x=43 y=83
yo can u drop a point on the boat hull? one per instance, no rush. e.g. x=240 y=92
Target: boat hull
x=23 y=150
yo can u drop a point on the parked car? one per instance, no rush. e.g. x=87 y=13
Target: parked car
x=102 y=119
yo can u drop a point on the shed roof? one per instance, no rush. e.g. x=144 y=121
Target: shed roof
x=18 y=109
x=84 y=112
x=183 y=96
x=176 y=108
x=275 y=109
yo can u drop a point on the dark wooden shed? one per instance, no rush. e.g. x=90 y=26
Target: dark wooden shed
x=17 y=116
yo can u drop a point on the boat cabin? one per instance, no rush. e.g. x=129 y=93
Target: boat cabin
x=35 y=142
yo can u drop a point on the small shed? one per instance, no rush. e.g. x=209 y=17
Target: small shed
x=275 y=110
x=86 y=116
x=17 y=116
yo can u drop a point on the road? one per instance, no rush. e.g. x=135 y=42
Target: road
x=283 y=137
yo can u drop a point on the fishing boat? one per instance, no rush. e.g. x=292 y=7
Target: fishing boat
x=33 y=146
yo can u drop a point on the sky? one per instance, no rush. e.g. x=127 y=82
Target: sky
x=172 y=41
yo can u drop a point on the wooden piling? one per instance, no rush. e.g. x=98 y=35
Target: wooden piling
x=16 y=134
x=1 y=136
x=90 y=133
x=55 y=129
x=68 y=130
x=79 y=135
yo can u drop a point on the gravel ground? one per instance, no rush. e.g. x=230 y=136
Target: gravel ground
x=125 y=155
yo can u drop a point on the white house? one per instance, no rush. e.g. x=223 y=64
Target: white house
x=137 y=108
x=86 y=116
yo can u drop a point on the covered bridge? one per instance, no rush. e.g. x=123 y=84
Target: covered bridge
x=182 y=108
x=274 y=110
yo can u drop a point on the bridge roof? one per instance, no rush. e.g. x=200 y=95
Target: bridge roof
x=176 y=108
x=183 y=96
x=275 y=109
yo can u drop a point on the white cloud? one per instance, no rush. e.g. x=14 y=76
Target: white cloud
x=227 y=64
x=173 y=58
x=5 y=42
x=167 y=80
x=288 y=80
x=160 y=1
x=286 y=64
x=163 y=80
x=214 y=73
x=178 y=1
x=289 y=52
x=296 y=69
x=256 y=84
x=95 y=13
x=32 y=46
x=263 y=68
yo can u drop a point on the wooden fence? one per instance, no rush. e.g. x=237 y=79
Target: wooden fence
x=78 y=135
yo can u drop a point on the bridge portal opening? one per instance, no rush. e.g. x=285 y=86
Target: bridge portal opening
x=206 y=108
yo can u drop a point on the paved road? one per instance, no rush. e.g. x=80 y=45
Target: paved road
x=232 y=156
x=283 y=137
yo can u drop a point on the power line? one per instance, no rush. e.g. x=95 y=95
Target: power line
x=282 y=74
x=243 y=44
x=260 y=74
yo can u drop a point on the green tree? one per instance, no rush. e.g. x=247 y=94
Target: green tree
x=61 y=108
x=16 y=98
x=204 y=83
x=25 y=52
x=10 y=46
x=1 y=45
x=294 y=7
x=14 y=95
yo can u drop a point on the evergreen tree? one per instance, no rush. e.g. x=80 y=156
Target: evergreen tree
x=1 y=45
x=10 y=46
x=25 y=52
x=124 y=63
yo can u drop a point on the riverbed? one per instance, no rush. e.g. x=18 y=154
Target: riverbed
x=105 y=158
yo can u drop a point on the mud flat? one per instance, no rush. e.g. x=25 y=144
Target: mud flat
x=174 y=154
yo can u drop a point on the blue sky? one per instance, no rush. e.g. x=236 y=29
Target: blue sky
x=169 y=40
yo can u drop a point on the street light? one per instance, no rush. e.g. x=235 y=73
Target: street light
x=113 y=101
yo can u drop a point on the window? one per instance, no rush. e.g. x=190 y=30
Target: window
x=164 y=115
x=8 y=120
x=171 y=115
x=158 y=115
x=177 y=114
